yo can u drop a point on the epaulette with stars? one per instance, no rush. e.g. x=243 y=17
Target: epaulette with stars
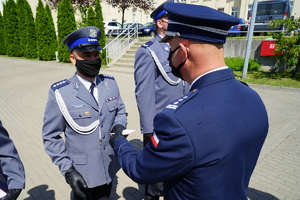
x=147 y=44
x=106 y=76
x=172 y=107
x=60 y=84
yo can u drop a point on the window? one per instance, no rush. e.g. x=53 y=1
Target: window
x=249 y=11
x=235 y=11
x=221 y=9
x=134 y=15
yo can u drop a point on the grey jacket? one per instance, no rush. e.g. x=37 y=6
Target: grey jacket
x=90 y=153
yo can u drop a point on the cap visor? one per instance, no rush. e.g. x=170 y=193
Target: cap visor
x=89 y=48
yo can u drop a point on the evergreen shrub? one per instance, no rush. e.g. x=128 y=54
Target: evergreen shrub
x=236 y=64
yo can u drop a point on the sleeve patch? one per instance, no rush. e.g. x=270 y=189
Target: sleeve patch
x=60 y=84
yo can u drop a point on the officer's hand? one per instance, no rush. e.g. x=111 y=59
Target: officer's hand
x=117 y=133
x=76 y=181
x=11 y=194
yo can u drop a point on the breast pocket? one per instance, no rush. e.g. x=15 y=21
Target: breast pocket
x=112 y=104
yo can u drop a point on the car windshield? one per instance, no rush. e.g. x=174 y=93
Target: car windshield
x=148 y=24
x=270 y=9
x=127 y=25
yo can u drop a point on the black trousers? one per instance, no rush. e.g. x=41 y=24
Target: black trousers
x=154 y=191
x=101 y=192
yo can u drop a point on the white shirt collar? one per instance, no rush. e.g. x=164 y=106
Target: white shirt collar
x=217 y=69
x=85 y=82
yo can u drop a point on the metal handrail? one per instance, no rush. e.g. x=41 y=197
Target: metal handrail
x=123 y=41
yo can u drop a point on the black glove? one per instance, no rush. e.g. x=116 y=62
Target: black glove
x=117 y=130
x=12 y=194
x=146 y=138
x=76 y=181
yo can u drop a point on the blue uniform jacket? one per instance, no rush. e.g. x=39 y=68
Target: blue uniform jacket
x=90 y=154
x=206 y=144
x=152 y=91
x=12 y=174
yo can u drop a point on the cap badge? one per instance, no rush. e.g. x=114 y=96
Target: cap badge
x=93 y=33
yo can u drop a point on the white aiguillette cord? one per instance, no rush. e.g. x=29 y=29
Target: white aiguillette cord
x=161 y=69
x=79 y=129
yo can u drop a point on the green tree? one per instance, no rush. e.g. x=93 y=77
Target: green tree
x=288 y=47
x=2 y=43
x=38 y=24
x=11 y=29
x=91 y=17
x=4 y=28
x=22 y=15
x=83 y=13
x=47 y=44
x=51 y=33
x=100 y=25
x=65 y=25
x=27 y=35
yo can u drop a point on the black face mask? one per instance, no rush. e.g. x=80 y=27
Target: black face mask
x=175 y=71
x=88 y=68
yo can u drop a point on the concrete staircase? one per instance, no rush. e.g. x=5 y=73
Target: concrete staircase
x=127 y=60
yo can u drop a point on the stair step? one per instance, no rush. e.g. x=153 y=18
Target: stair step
x=129 y=56
x=129 y=65
x=125 y=60
x=131 y=51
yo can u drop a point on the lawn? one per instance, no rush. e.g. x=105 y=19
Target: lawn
x=282 y=79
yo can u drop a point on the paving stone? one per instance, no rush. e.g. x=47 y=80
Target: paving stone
x=24 y=86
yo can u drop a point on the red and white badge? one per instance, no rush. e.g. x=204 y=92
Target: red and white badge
x=154 y=140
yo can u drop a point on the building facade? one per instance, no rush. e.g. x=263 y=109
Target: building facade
x=237 y=8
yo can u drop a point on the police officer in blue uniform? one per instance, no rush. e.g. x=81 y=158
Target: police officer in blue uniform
x=156 y=86
x=86 y=108
x=12 y=174
x=205 y=144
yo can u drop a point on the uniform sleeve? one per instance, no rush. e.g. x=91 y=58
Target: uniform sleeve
x=54 y=125
x=144 y=75
x=10 y=162
x=121 y=116
x=172 y=157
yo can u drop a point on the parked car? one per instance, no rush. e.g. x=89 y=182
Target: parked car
x=148 y=29
x=239 y=29
x=109 y=26
x=123 y=30
x=127 y=25
x=268 y=11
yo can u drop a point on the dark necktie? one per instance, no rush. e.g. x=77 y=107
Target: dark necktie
x=92 y=90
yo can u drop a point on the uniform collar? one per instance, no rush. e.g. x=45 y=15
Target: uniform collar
x=217 y=69
x=86 y=83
